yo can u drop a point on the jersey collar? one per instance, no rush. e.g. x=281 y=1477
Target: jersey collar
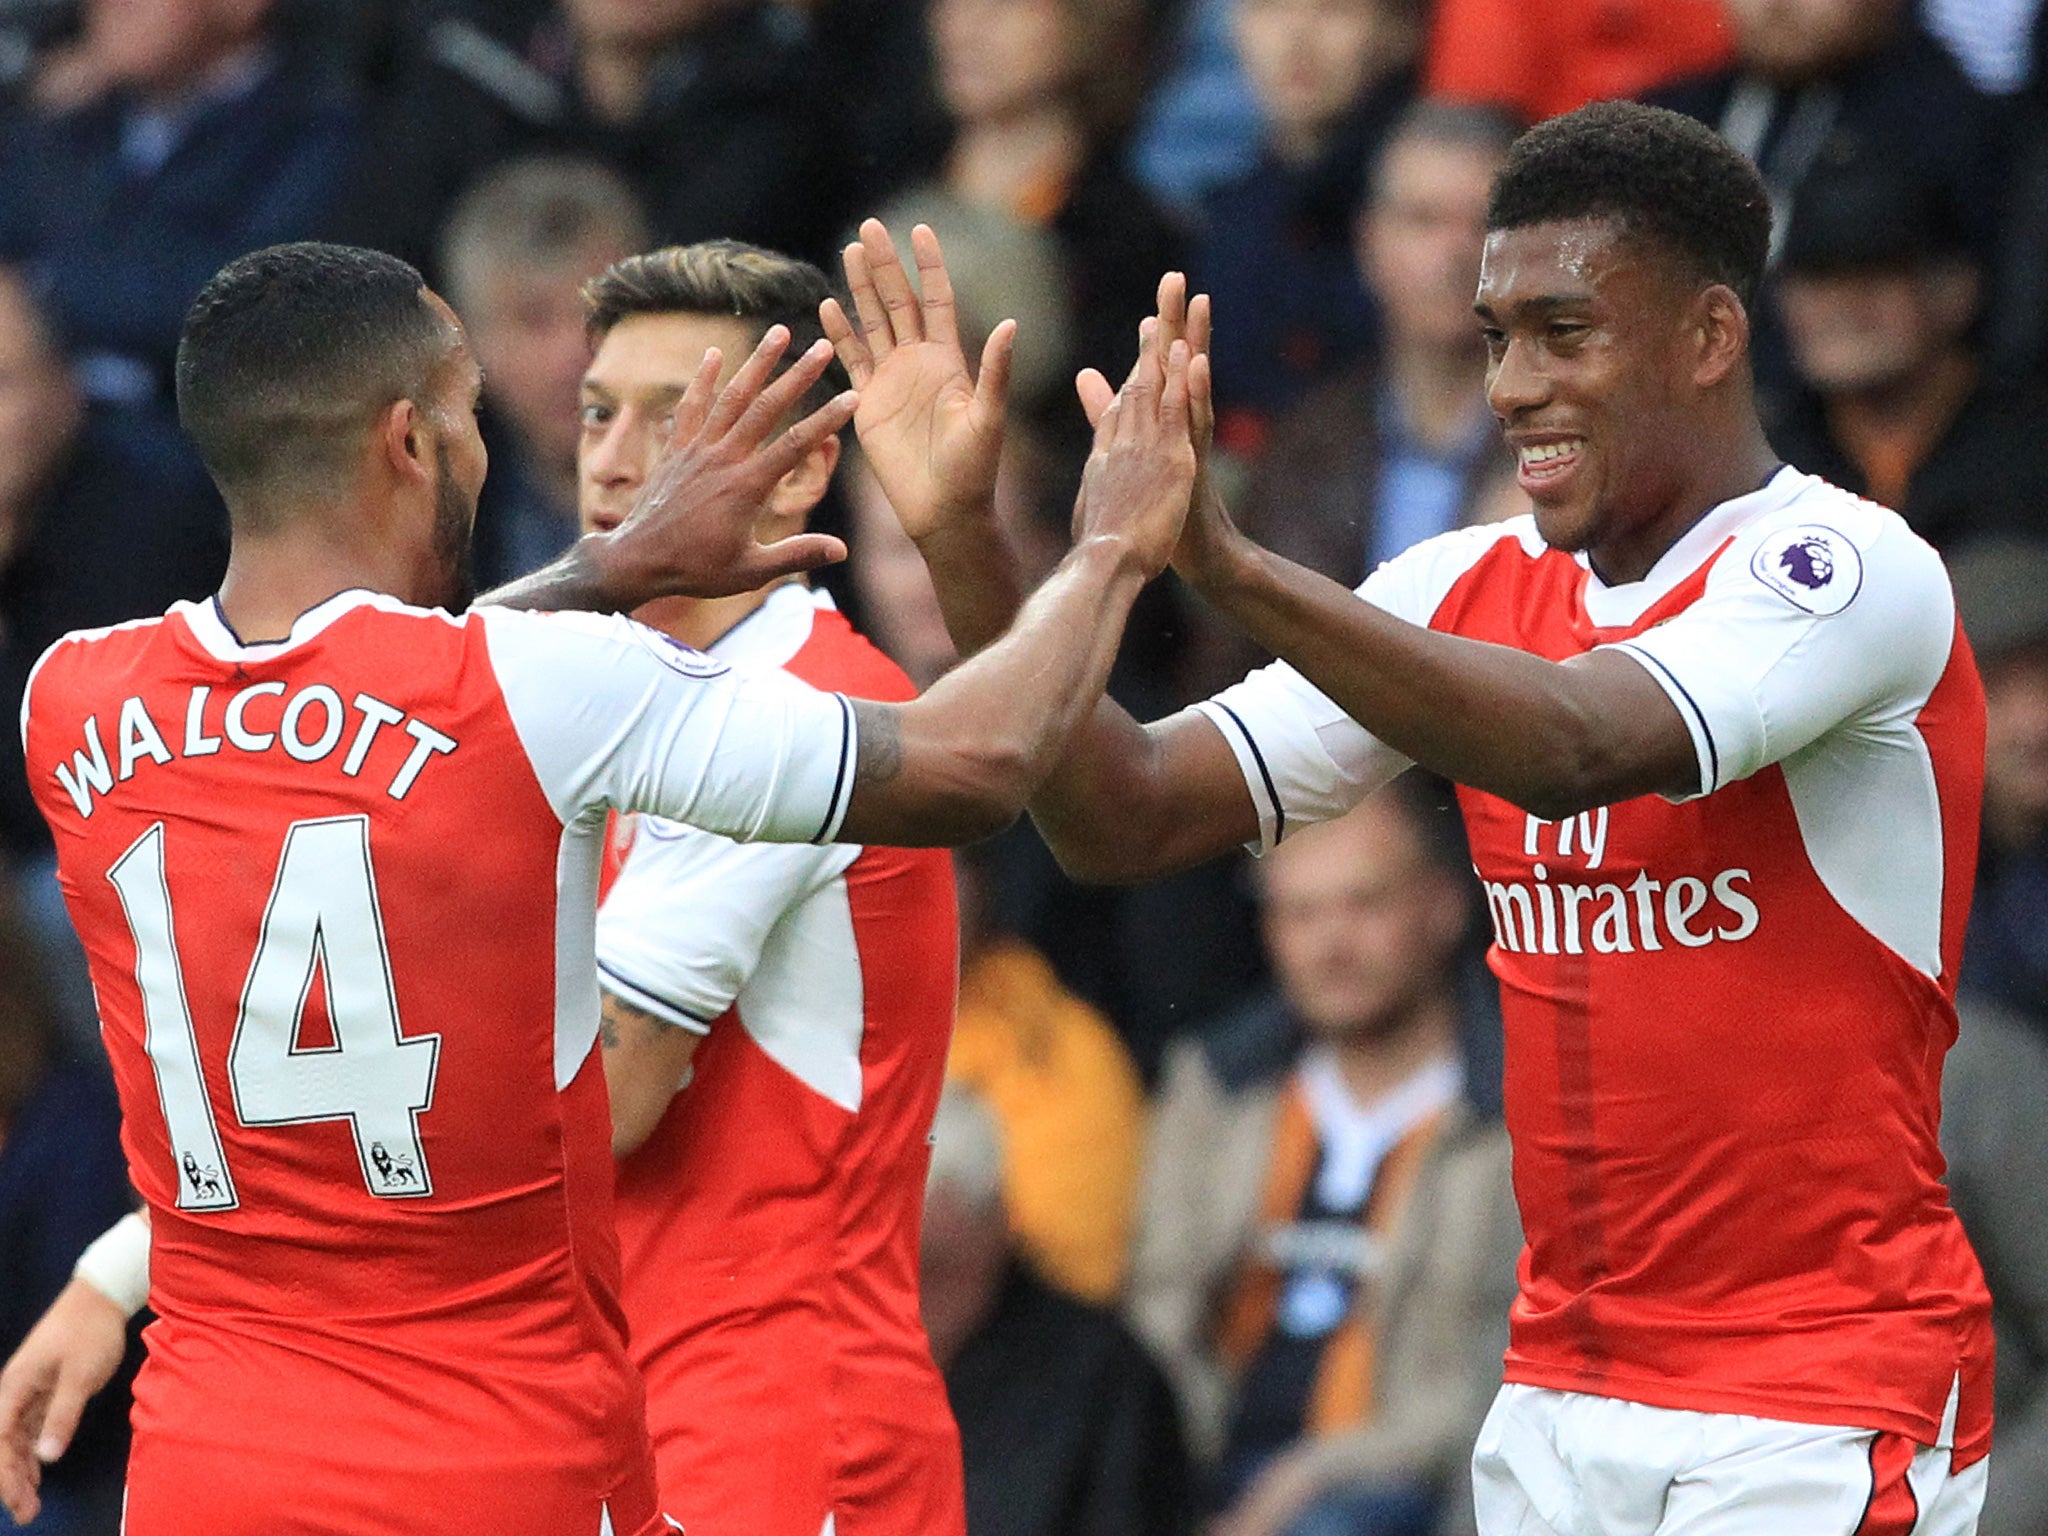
x=1619 y=606
x=773 y=633
x=210 y=627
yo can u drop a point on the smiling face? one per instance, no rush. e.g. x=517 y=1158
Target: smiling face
x=1593 y=347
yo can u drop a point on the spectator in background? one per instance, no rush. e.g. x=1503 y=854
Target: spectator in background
x=1335 y=1332
x=708 y=108
x=1200 y=125
x=1065 y=1094
x=1402 y=446
x=518 y=248
x=1538 y=58
x=62 y=1183
x=1879 y=290
x=1991 y=39
x=2001 y=590
x=1994 y=1134
x=1818 y=82
x=1067 y=1427
x=1274 y=250
x=98 y=524
x=1041 y=93
x=172 y=136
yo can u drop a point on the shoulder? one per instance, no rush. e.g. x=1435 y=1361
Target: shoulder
x=581 y=639
x=1825 y=550
x=84 y=654
x=1415 y=582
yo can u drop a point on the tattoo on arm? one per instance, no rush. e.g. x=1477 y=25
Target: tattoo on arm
x=880 y=757
x=616 y=1015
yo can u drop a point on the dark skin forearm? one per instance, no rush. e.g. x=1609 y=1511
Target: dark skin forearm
x=958 y=763
x=975 y=573
x=1552 y=738
x=1125 y=802
x=582 y=579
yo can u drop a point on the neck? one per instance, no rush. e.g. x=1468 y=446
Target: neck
x=616 y=75
x=1442 y=389
x=1374 y=1066
x=998 y=161
x=1720 y=476
x=272 y=578
x=1917 y=405
x=701 y=622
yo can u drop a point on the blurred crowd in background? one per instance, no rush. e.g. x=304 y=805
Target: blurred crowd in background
x=1220 y=1232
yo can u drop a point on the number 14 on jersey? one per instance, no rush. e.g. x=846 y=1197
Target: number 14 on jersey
x=322 y=920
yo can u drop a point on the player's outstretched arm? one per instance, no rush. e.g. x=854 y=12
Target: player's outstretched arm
x=691 y=534
x=960 y=762
x=70 y=1354
x=1552 y=738
x=1126 y=802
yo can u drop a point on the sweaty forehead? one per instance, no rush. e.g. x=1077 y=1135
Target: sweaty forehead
x=1577 y=260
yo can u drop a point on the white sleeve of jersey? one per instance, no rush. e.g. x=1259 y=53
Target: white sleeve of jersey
x=1302 y=757
x=1829 y=613
x=682 y=928
x=614 y=715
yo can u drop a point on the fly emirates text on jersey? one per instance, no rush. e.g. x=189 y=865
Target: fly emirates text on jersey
x=308 y=727
x=1552 y=915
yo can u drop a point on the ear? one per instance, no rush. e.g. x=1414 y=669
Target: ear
x=402 y=440
x=1720 y=335
x=803 y=487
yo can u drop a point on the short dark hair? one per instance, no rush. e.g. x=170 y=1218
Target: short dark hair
x=1661 y=176
x=719 y=277
x=286 y=349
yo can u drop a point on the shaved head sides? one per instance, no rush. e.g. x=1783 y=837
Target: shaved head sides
x=288 y=354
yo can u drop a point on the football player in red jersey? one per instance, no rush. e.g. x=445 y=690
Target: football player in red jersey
x=775 y=1021
x=364 y=1109
x=1720 y=743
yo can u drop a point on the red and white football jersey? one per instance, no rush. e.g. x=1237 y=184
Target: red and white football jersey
x=769 y=1225
x=1726 y=1016
x=339 y=897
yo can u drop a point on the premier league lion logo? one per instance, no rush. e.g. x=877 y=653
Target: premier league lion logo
x=1813 y=567
x=1809 y=562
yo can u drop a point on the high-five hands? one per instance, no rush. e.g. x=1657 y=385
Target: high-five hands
x=691 y=534
x=1209 y=535
x=1141 y=470
x=932 y=434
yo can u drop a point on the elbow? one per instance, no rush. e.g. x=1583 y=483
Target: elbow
x=1578 y=768
x=989 y=793
x=1093 y=861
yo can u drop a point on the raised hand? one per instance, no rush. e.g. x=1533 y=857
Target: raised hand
x=66 y=1358
x=1141 y=469
x=1210 y=538
x=932 y=434
x=691 y=534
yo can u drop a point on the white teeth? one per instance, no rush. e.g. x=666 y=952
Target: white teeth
x=1543 y=453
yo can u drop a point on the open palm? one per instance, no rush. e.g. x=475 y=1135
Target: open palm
x=932 y=433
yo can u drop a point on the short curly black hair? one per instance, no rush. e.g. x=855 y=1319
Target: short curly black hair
x=1660 y=175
